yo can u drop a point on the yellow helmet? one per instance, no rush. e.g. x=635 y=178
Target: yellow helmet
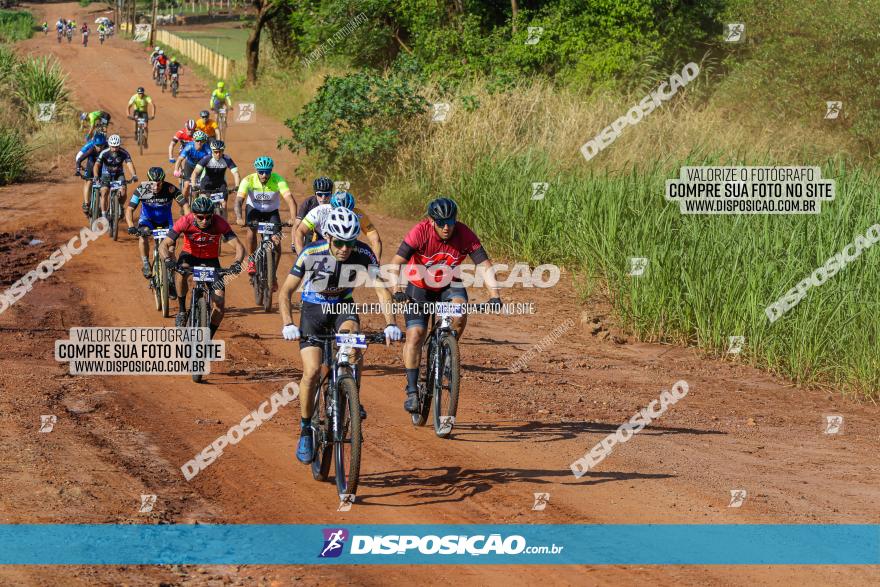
x=221 y=85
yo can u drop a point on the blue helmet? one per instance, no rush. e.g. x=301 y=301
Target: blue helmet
x=342 y=200
x=100 y=138
x=264 y=164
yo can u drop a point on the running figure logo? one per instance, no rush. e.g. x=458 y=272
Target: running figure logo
x=737 y=497
x=346 y=500
x=832 y=109
x=47 y=423
x=246 y=112
x=45 y=111
x=735 y=344
x=147 y=503
x=833 y=423
x=637 y=266
x=541 y=501
x=441 y=112
x=334 y=539
x=535 y=33
x=539 y=189
x=733 y=32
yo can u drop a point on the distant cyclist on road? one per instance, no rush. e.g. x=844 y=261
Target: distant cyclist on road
x=208 y=126
x=440 y=243
x=181 y=138
x=324 y=261
x=155 y=212
x=313 y=222
x=210 y=173
x=137 y=107
x=174 y=68
x=202 y=232
x=189 y=157
x=96 y=118
x=262 y=191
x=159 y=66
x=220 y=97
x=88 y=155
x=323 y=187
x=109 y=167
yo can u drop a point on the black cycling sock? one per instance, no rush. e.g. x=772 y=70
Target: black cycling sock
x=304 y=423
x=412 y=378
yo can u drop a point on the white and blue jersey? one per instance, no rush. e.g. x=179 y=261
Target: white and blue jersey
x=322 y=283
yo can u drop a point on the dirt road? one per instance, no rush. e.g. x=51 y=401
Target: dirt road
x=117 y=438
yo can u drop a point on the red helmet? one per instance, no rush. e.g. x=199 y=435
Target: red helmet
x=190 y=125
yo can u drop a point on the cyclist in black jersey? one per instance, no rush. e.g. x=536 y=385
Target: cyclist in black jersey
x=109 y=167
x=209 y=173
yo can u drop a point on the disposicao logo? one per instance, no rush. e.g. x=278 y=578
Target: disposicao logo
x=334 y=540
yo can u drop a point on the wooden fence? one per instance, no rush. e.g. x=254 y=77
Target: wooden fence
x=219 y=65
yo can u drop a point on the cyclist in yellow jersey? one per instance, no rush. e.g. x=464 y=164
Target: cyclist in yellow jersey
x=220 y=96
x=208 y=126
x=263 y=191
x=138 y=104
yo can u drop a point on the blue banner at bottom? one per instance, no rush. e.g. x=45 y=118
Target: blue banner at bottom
x=549 y=544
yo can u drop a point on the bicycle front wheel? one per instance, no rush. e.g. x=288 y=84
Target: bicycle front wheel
x=201 y=315
x=114 y=216
x=269 y=273
x=348 y=434
x=163 y=286
x=446 y=387
x=323 y=441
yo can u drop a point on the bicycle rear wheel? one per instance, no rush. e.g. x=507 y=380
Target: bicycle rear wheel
x=425 y=386
x=321 y=435
x=446 y=387
x=348 y=433
x=155 y=283
x=163 y=286
x=94 y=205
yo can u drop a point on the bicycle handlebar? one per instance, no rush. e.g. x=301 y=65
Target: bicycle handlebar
x=370 y=337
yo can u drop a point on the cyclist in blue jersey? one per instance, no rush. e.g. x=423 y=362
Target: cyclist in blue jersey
x=155 y=202
x=88 y=155
x=108 y=167
x=189 y=157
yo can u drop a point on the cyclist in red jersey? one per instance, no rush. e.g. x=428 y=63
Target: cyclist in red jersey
x=202 y=232
x=433 y=249
x=181 y=137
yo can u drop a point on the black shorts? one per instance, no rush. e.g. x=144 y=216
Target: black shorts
x=187 y=260
x=188 y=169
x=106 y=178
x=418 y=295
x=253 y=215
x=314 y=321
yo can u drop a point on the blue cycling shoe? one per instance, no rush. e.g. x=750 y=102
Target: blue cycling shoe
x=305 y=450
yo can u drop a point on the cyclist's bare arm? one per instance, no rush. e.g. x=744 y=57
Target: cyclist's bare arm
x=153 y=104
x=489 y=273
x=239 y=198
x=194 y=178
x=385 y=299
x=395 y=264
x=236 y=177
x=375 y=242
x=178 y=163
x=288 y=288
x=299 y=236
x=164 y=247
x=131 y=169
x=96 y=170
x=239 y=249
x=171 y=149
x=129 y=216
x=291 y=203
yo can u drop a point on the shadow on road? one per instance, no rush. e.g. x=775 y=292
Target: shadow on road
x=535 y=431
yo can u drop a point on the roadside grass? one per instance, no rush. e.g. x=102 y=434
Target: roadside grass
x=229 y=42
x=16 y=25
x=708 y=277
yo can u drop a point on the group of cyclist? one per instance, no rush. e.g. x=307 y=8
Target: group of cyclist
x=67 y=28
x=327 y=227
x=164 y=65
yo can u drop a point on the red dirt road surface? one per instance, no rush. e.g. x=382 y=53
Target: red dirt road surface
x=117 y=438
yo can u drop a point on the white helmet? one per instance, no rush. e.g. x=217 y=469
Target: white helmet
x=114 y=140
x=161 y=52
x=157 y=49
x=343 y=224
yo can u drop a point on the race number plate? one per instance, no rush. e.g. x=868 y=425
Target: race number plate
x=222 y=111
x=160 y=233
x=203 y=274
x=115 y=185
x=218 y=197
x=446 y=309
x=358 y=341
x=266 y=228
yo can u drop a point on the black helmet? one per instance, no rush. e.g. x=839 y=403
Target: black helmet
x=323 y=184
x=202 y=205
x=442 y=209
x=217 y=145
x=156 y=174
x=140 y=90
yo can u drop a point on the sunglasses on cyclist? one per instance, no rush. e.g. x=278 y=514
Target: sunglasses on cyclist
x=204 y=217
x=264 y=172
x=446 y=222
x=323 y=194
x=346 y=244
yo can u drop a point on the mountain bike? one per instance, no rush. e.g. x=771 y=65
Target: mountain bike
x=263 y=281
x=199 y=315
x=115 y=205
x=221 y=119
x=101 y=37
x=59 y=34
x=440 y=375
x=85 y=39
x=94 y=202
x=163 y=79
x=159 y=280
x=69 y=36
x=336 y=420
x=140 y=132
x=175 y=84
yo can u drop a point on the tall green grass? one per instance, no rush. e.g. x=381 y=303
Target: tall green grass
x=13 y=155
x=40 y=79
x=708 y=277
x=15 y=25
